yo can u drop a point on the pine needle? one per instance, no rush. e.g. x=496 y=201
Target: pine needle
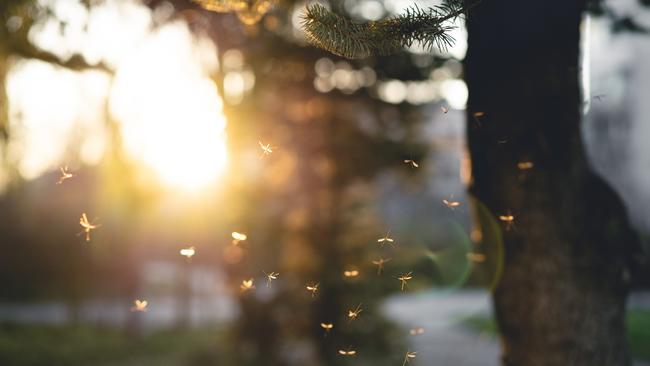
x=343 y=37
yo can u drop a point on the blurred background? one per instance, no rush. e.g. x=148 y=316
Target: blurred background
x=161 y=110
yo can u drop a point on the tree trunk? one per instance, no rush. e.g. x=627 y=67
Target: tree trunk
x=561 y=299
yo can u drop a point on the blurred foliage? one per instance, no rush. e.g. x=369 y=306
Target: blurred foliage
x=40 y=345
x=638 y=333
x=305 y=219
x=311 y=210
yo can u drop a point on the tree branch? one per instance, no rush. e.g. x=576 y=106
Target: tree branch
x=343 y=37
x=77 y=62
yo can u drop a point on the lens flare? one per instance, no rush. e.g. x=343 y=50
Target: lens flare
x=450 y=266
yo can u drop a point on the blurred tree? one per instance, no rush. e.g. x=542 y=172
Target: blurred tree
x=300 y=208
x=570 y=252
x=16 y=20
x=44 y=253
x=40 y=259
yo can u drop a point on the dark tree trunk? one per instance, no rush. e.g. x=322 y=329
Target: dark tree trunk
x=561 y=299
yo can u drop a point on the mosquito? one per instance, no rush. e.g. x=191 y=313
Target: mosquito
x=380 y=264
x=351 y=273
x=188 y=252
x=327 y=326
x=477 y=117
x=88 y=227
x=404 y=279
x=266 y=149
x=270 y=277
x=509 y=220
x=348 y=352
x=408 y=357
x=354 y=313
x=412 y=163
x=386 y=239
x=237 y=237
x=65 y=174
x=599 y=97
x=140 y=306
x=247 y=285
x=313 y=288
x=450 y=203
x=476 y=257
x=525 y=165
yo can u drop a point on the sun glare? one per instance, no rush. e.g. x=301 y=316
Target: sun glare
x=159 y=91
x=171 y=111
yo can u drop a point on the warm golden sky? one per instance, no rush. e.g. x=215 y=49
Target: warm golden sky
x=169 y=109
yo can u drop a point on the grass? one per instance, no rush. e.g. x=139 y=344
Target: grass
x=40 y=345
x=638 y=334
x=36 y=345
x=638 y=331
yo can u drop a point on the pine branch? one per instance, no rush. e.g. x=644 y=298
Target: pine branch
x=343 y=37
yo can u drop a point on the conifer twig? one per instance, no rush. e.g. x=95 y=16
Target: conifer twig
x=346 y=38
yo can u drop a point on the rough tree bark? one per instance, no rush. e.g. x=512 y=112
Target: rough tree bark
x=561 y=300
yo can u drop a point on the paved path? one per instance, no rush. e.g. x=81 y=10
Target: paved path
x=445 y=341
